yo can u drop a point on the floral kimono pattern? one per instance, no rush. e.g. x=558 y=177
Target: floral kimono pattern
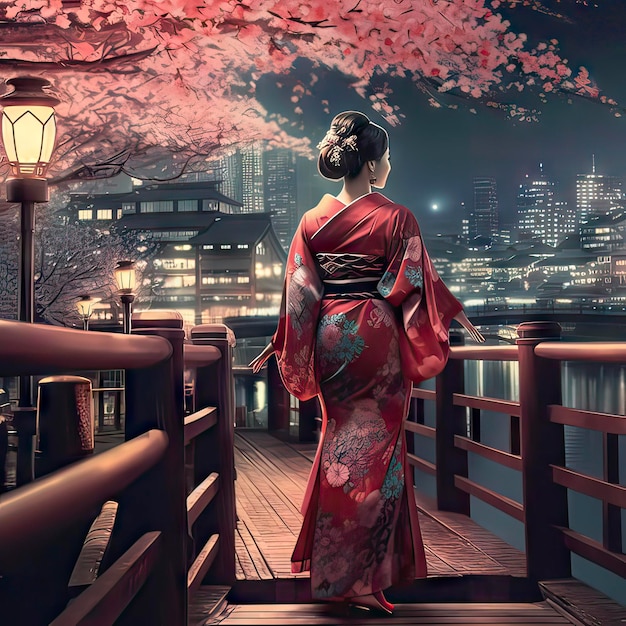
x=364 y=315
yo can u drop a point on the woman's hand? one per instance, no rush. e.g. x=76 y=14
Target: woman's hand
x=257 y=363
x=474 y=333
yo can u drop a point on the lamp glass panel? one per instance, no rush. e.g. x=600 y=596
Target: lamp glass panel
x=125 y=278
x=28 y=133
x=85 y=306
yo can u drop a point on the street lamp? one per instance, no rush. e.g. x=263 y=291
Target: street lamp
x=125 y=276
x=28 y=135
x=85 y=308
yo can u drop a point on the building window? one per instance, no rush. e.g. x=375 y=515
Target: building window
x=208 y=247
x=242 y=246
x=187 y=205
x=105 y=214
x=128 y=208
x=85 y=214
x=225 y=246
x=260 y=249
x=179 y=264
x=243 y=279
x=174 y=235
x=158 y=206
x=177 y=282
x=210 y=205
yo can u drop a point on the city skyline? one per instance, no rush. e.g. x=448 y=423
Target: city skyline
x=437 y=152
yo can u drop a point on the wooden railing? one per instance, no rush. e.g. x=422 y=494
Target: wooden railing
x=209 y=457
x=43 y=524
x=536 y=448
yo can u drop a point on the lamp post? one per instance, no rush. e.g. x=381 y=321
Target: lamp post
x=85 y=308
x=28 y=135
x=125 y=276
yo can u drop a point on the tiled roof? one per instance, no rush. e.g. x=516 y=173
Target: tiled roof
x=247 y=228
x=168 y=221
x=155 y=192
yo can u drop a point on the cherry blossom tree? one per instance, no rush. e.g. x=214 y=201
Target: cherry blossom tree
x=71 y=259
x=142 y=79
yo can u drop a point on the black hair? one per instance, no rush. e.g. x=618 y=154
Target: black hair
x=372 y=142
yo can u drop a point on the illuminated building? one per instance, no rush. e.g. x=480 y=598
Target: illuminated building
x=267 y=180
x=597 y=195
x=240 y=268
x=484 y=217
x=281 y=192
x=541 y=215
x=242 y=178
x=212 y=263
x=604 y=232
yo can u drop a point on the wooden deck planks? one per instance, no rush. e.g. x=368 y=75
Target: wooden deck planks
x=271 y=479
x=206 y=602
x=268 y=494
x=582 y=603
x=512 y=559
x=537 y=614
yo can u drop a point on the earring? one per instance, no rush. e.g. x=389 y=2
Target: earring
x=372 y=179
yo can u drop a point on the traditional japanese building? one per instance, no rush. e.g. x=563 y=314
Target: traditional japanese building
x=211 y=263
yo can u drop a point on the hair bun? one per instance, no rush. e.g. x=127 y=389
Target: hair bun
x=331 y=166
x=351 y=141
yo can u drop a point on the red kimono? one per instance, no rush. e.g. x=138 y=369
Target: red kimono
x=364 y=315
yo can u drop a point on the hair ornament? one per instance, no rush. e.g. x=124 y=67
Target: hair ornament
x=339 y=144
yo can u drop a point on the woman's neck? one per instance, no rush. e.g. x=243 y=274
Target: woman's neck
x=354 y=188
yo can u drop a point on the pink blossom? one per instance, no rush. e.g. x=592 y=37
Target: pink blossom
x=166 y=76
x=337 y=474
x=331 y=337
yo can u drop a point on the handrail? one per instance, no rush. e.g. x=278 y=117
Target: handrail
x=484 y=353
x=538 y=416
x=38 y=510
x=43 y=349
x=105 y=600
x=606 y=352
x=198 y=422
x=200 y=356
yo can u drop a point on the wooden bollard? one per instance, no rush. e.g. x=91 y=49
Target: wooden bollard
x=542 y=444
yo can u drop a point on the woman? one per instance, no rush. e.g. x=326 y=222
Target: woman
x=364 y=315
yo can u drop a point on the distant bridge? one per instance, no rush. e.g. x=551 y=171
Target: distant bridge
x=595 y=319
x=503 y=314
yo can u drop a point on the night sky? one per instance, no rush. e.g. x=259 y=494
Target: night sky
x=436 y=153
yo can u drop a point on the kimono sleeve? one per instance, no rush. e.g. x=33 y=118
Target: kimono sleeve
x=412 y=285
x=294 y=339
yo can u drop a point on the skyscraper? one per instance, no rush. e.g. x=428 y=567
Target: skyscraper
x=266 y=180
x=242 y=177
x=484 y=218
x=281 y=192
x=597 y=194
x=252 y=179
x=541 y=214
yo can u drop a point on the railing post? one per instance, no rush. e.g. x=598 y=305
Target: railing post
x=542 y=444
x=278 y=399
x=450 y=421
x=155 y=399
x=214 y=386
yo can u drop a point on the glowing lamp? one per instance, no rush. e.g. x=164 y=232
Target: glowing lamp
x=85 y=306
x=125 y=276
x=28 y=126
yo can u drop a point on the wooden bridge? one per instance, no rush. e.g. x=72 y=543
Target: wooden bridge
x=157 y=530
